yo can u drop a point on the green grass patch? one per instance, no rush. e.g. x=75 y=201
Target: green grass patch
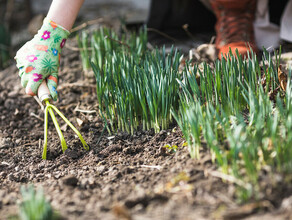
x=231 y=111
x=34 y=206
x=135 y=87
x=237 y=109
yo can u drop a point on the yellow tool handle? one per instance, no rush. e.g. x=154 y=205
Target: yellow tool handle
x=43 y=92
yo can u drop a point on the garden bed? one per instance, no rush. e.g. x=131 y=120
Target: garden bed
x=123 y=176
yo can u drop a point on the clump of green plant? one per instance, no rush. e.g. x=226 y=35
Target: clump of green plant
x=104 y=41
x=138 y=90
x=34 y=205
x=233 y=112
x=134 y=86
x=171 y=148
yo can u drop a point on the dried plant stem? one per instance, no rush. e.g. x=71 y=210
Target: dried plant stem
x=88 y=23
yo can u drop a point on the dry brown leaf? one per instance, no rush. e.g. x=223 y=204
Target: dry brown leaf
x=247 y=209
x=282 y=76
x=121 y=212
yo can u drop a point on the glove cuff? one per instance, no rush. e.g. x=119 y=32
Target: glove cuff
x=55 y=25
x=52 y=35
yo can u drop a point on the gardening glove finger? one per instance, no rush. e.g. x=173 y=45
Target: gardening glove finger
x=39 y=59
x=31 y=82
x=52 y=83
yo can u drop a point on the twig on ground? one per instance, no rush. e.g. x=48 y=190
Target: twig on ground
x=84 y=111
x=31 y=143
x=40 y=143
x=152 y=167
x=118 y=41
x=185 y=27
x=76 y=48
x=224 y=198
x=87 y=23
x=111 y=137
x=5 y=163
x=36 y=116
x=162 y=34
x=66 y=107
x=39 y=102
x=229 y=178
x=212 y=40
x=77 y=84
x=77 y=109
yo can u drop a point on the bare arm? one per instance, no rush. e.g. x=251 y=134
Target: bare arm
x=64 y=12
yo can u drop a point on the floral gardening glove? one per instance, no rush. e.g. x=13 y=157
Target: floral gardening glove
x=39 y=58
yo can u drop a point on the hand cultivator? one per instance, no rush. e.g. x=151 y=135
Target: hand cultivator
x=44 y=96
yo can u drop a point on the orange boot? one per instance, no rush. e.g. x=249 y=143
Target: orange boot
x=234 y=27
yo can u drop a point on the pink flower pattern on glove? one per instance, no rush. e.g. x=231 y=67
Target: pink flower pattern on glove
x=63 y=43
x=37 y=77
x=31 y=58
x=46 y=35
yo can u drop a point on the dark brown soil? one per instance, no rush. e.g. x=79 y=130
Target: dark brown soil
x=122 y=176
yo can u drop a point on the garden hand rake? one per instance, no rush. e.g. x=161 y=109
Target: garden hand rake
x=45 y=98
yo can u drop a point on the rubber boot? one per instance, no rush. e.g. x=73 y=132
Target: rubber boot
x=234 y=26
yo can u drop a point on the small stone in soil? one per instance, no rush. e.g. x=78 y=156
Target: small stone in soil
x=11 y=177
x=70 y=180
x=5 y=142
x=121 y=212
x=71 y=153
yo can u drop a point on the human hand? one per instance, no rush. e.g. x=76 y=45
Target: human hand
x=39 y=59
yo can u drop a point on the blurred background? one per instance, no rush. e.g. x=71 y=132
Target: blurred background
x=186 y=23
x=20 y=20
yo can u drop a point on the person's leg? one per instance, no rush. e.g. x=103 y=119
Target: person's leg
x=266 y=33
x=286 y=30
x=234 y=27
x=207 y=4
x=158 y=13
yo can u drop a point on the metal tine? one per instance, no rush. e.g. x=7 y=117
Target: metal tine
x=49 y=110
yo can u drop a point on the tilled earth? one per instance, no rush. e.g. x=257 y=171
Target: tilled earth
x=122 y=176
